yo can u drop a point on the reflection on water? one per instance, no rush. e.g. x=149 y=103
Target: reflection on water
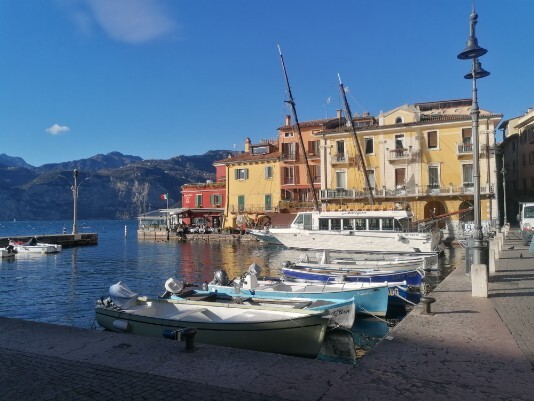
x=63 y=288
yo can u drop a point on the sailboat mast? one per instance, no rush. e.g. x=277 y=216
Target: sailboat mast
x=291 y=102
x=349 y=117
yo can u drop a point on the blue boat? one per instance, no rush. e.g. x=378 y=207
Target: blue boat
x=369 y=298
x=412 y=277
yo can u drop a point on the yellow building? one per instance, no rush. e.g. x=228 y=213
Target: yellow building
x=518 y=153
x=418 y=156
x=252 y=184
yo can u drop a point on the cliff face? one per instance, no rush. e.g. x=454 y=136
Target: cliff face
x=109 y=186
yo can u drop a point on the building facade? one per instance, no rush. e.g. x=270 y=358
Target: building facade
x=418 y=156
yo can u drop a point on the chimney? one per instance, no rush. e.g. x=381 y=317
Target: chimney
x=339 y=114
x=288 y=120
x=247 y=145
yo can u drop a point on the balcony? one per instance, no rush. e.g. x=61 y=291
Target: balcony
x=404 y=192
x=465 y=149
x=339 y=158
x=288 y=181
x=398 y=154
x=290 y=157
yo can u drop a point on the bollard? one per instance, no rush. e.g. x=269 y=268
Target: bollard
x=427 y=301
x=189 y=335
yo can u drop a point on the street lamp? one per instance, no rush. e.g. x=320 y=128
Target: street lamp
x=503 y=172
x=74 y=187
x=473 y=52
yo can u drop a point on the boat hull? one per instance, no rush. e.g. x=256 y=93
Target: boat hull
x=301 y=335
x=411 y=277
x=354 y=241
x=371 y=300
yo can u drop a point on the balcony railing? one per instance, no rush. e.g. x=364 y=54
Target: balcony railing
x=465 y=148
x=289 y=156
x=288 y=181
x=401 y=192
x=398 y=154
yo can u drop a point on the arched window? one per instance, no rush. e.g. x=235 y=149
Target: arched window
x=399 y=120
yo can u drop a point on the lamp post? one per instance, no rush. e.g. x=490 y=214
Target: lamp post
x=75 y=198
x=503 y=172
x=473 y=52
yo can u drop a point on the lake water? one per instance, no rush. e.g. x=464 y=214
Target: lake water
x=63 y=288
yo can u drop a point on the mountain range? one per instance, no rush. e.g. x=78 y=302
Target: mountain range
x=110 y=186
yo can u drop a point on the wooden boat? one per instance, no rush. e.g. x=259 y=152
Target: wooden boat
x=34 y=246
x=342 y=312
x=412 y=277
x=297 y=332
x=369 y=298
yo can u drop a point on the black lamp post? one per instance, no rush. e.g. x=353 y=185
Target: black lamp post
x=503 y=172
x=473 y=52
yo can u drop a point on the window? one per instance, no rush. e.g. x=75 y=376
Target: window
x=335 y=224
x=268 y=172
x=216 y=200
x=341 y=179
x=241 y=203
x=198 y=200
x=260 y=150
x=340 y=151
x=432 y=139
x=400 y=177
x=369 y=148
x=399 y=120
x=371 y=177
x=288 y=134
x=289 y=175
x=466 y=136
x=268 y=202
x=289 y=151
x=316 y=172
x=433 y=176
x=314 y=148
x=374 y=224
x=241 y=173
x=387 y=224
x=467 y=175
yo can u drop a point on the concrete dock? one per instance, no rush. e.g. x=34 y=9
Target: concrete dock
x=471 y=348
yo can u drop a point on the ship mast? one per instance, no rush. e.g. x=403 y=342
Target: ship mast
x=349 y=118
x=291 y=102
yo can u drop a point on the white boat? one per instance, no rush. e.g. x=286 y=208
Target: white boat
x=357 y=231
x=34 y=246
x=296 y=332
x=325 y=261
x=342 y=312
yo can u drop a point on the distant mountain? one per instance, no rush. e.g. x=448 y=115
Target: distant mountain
x=109 y=186
x=10 y=161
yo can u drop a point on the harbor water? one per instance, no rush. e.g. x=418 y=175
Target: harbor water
x=63 y=288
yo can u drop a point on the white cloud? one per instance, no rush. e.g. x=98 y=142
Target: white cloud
x=132 y=21
x=57 y=129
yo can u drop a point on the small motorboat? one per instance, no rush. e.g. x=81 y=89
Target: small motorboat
x=34 y=246
x=342 y=312
x=289 y=331
x=370 y=298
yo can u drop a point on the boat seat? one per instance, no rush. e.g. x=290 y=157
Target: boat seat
x=180 y=315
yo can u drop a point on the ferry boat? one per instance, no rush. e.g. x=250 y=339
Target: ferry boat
x=358 y=231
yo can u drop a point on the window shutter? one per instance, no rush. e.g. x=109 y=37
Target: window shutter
x=246 y=173
x=236 y=174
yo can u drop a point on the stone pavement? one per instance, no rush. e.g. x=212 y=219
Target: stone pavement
x=470 y=349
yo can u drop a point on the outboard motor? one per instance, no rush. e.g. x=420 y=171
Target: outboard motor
x=174 y=286
x=251 y=281
x=220 y=278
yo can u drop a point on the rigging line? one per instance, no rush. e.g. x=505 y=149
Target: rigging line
x=291 y=102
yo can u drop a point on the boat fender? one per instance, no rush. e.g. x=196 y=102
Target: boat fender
x=120 y=324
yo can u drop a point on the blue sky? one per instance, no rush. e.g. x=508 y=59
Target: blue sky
x=161 y=78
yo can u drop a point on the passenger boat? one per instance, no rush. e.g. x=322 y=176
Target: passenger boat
x=357 y=231
x=369 y=298
x=34 y=246
x=298 y=332
x=342 y=312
